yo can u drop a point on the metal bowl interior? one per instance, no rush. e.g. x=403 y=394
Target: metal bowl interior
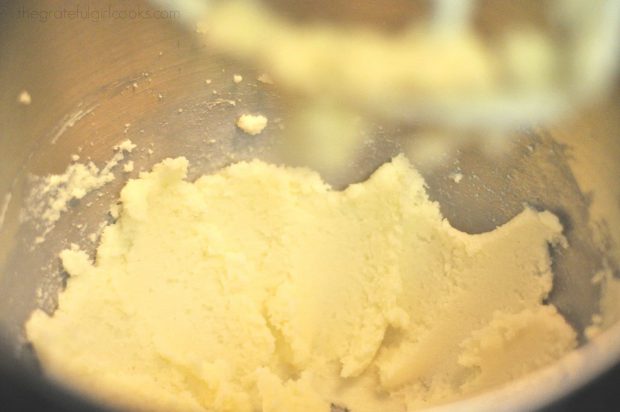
x=95 y=82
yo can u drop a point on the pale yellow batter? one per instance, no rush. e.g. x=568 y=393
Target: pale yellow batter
x=261 y=288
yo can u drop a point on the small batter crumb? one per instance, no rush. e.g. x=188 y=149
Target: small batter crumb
x=115 y=211
x=252 y=124
x=128 y=167
x=237 y=78
x=125 y=146
x=24 y=98
x=456 y=177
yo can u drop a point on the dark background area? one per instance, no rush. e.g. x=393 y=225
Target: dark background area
x=19 y=392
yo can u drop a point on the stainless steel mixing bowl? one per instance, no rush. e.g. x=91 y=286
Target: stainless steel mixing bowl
x=98 y=80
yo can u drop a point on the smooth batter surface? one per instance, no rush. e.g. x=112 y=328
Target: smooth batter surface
x=261 y=288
